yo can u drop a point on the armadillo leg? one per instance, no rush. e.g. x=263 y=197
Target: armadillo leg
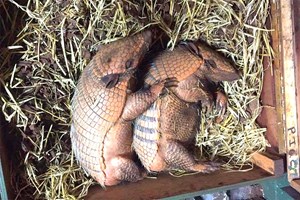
x=140 y=101
x=177 y=157
x=123 y=169
x=195 y=94
x=192 y=90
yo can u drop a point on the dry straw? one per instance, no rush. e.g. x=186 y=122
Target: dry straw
x=57 y=42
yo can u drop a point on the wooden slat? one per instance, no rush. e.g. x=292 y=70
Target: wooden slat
x=277 y=73
x=297 y=60
x=271 y=116
x=296 y=184
x=269 y=162
x=168 y=186
x=289 y=78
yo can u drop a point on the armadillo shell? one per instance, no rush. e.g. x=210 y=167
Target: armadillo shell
x=94 y=113
x=168 y=118
x=146 y=135
x=96 y=108
x=179 y=63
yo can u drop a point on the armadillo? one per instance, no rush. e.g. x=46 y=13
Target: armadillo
x=162 y=133
x=102 y=107
x=195 y=60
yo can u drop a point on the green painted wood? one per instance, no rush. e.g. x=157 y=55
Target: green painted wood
x=272 y=189
x=3 y=191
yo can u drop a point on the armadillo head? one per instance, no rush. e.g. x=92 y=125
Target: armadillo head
x=118 y=60
x=215 y=66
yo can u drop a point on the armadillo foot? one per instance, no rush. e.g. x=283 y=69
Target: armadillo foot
x=207 y=105
x=205 y=167
x=195 y=95
x=168 y=84
x=140 y=101
x=178 y=157
x=122 y=169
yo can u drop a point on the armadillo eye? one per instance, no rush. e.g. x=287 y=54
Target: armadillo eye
x=129 y=63
x=194 y=49
x=210 y=63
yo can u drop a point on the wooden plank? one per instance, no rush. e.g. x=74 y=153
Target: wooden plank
x=168 y=186
x=296 y=184
x=290 y=104
x=277 y=67
x=269 y=162
x=297 y=57
x=271 y=116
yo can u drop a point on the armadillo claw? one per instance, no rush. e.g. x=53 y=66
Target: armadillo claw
x=161 y=87
x=221 y=103
x=158 y=87
x=207 y=106
x=169 y=84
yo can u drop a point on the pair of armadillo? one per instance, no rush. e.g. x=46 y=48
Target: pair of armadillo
x=104 y=106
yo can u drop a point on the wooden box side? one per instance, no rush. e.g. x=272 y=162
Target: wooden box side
x=289 y=89
x=177 y=188
x=272 y=95
x=296 y=8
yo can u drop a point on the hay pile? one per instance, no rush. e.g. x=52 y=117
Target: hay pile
x=60 y=37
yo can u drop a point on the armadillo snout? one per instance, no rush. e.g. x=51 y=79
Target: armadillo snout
x=223 y=71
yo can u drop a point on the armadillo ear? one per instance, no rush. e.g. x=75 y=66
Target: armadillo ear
x=192 y=48
x=129 y=63
x=210 y=64
x=110 y=80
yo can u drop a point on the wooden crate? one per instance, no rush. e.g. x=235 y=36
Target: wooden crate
x=279 y=96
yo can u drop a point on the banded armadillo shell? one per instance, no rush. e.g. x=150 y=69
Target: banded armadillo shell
x=146 y=135
x=169 y=117
x=179 y=63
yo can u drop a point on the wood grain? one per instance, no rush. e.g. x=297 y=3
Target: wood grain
x=297 y=57
x=168 y=186
x=296 y=184
x=289 y=89
x=269 y=162
x=271 y=116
